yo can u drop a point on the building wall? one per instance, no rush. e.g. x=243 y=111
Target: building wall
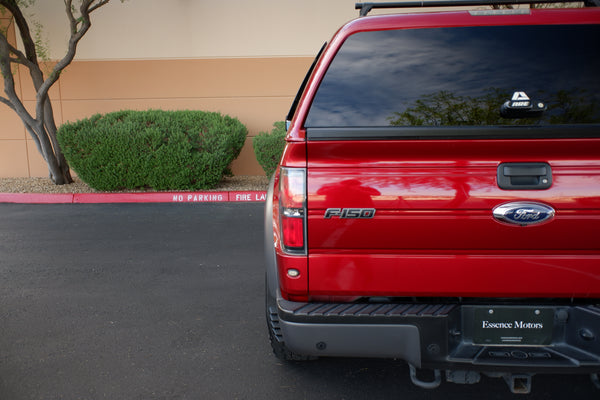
x=13 y=146
x=258 y=91
x=238 y=57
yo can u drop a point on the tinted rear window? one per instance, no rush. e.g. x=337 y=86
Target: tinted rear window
x=462 y=76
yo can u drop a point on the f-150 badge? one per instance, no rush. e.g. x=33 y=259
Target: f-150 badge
x=523 y=213
x=351 y=213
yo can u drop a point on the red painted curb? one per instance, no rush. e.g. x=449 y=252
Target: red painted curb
x=247 y=196
x=36 y=198
x=160 y=197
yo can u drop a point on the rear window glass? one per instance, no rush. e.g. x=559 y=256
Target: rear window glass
x=508 y=75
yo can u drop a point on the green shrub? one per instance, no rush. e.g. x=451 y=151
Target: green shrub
x=268 y=147
x=161 y=150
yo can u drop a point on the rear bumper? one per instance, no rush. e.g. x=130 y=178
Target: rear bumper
x=436 y=336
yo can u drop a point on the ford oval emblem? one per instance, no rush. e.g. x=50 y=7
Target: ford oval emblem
x=523 y=213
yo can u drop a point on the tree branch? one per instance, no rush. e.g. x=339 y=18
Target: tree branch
x=76 y=35
x=13 y=100
x=79 y=27
x=7 y=102
x=72 y=20
x=9 y=82
x=94 y=7
x=21 y=58
x=28 y=43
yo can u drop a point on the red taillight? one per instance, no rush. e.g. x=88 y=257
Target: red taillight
x=292 y=199
x=293 y=232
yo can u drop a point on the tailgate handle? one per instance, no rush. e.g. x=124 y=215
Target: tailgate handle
x=524 y=176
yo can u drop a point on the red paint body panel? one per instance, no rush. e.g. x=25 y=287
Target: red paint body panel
x=296 y=286
x=492 y=275
x=434 y=233
x=294 y=155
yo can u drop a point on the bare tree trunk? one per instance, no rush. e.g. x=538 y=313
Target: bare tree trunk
x=42 y=127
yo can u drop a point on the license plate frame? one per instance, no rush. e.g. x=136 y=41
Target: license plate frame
x=509 y=325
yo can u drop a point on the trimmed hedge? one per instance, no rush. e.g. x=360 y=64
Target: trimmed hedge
x=268 y=147
x=161 y=150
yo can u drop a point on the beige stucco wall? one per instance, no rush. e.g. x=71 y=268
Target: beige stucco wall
x=258 y=91
x=238 y=57
x=150 y=29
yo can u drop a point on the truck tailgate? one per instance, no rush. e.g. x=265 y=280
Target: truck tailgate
x=433 y=231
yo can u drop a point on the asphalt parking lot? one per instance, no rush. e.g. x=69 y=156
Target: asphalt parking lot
x=165 y=301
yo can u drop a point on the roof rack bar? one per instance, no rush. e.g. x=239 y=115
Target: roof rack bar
x=366 y=7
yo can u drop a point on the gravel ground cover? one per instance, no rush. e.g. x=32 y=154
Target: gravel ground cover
x=45 y=185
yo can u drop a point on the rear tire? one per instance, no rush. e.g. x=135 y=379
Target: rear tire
x=280 y=350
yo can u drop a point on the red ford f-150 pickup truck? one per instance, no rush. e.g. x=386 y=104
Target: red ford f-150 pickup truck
x=438 y=199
